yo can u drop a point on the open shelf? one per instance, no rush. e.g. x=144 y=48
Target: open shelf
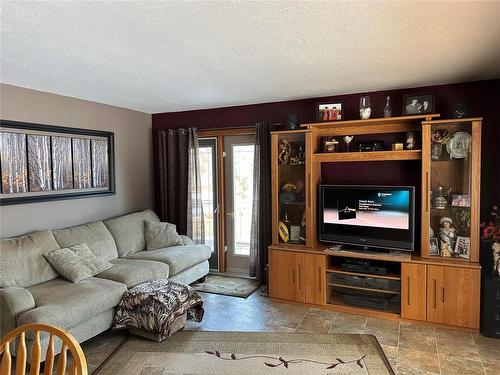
x=336 y=299
x=335 y=268
x=344 y=286
x=367 y=156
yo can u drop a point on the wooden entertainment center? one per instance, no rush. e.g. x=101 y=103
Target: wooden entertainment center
x=422 y=286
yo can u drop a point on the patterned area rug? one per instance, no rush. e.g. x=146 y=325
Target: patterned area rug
x=238 y=353
x=227 y=285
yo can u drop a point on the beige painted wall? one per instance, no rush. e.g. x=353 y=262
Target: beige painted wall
x=133 y=165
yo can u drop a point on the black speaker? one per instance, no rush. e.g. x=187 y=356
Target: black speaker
x=491 y=307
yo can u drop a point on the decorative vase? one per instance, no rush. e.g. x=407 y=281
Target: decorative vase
x=387 y=108
x=440 y=202
x=436 y=151
x=365 y=109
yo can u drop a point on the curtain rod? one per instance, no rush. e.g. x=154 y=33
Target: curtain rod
x=233 y=127
x=227 y=127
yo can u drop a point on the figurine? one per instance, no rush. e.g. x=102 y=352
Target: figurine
x=287 y=194
x=447 y=236
x=284 y=155
x=410 y=140
x=293 y=122
x=496 y=259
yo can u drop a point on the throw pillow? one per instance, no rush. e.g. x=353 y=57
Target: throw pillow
x=76 y=263
x=160 y=235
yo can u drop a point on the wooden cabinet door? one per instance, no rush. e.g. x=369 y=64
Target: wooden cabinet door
x=315 y=282
x=453 y=296
x=286 y=275
x=413 y=291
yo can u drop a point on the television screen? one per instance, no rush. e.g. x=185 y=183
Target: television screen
x=377 y=216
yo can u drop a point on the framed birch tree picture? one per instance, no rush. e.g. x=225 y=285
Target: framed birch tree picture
x=45 y=162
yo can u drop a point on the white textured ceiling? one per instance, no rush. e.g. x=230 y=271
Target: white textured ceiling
x=171 y=56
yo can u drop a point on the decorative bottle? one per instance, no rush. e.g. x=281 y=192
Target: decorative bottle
x=387 y=108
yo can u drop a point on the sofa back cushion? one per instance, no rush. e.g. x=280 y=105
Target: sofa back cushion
x=22 y=263
x=95 y=235
x=128 y=231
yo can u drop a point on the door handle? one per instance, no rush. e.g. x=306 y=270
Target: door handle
x=216 y=210
x=408 y=290
x=300 y=278
x=435 y=292
x=442 y=295
x=319 y=274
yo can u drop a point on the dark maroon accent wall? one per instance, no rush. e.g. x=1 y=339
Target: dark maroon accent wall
x=482 y=99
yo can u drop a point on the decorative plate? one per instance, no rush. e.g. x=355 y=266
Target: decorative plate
x=459 y=145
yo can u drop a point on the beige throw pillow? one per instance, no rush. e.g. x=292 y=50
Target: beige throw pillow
x=159 y=235
x=76 y=263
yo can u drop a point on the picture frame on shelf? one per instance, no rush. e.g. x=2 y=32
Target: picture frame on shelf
x=458 y=110
x=460 y=200
x=433 y=246
x=418 y=104
x=330 y=111
x=462 y=247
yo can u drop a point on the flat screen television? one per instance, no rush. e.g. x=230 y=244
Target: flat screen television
x=368 y=216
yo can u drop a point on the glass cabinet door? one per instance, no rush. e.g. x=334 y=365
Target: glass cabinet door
x=451 y=189
x=289 y=188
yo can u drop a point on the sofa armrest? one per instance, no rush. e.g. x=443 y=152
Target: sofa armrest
x=13 y=302
x=186 y=240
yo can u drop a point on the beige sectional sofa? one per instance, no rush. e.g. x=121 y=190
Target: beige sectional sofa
x=31 y=291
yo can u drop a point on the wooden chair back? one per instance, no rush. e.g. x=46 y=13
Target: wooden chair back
x=79 y=366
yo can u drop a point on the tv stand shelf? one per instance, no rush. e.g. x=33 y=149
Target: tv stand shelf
x=367 y=156
x=388 y=276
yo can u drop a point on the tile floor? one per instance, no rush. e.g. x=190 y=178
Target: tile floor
x=411 y=348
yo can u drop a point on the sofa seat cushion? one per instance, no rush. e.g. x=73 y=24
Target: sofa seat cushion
x=64 y=304
x=95 y=235
x=178 y=258
x=132 y=272
x=128 y=231
x=22 y=263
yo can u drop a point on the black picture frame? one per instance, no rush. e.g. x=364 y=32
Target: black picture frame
x=407 y=99
x=335 y=102
x=45 y=196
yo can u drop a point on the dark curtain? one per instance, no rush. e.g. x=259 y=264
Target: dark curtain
x=261 y=210
x=173 y=151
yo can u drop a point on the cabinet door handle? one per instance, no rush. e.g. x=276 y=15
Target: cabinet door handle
x=319 y=274
x=435 y=292
x=300 y=278
x=408 y=289
x=442 y=295
x=427 y=195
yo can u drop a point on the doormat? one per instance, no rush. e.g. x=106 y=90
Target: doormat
x=228 y=286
